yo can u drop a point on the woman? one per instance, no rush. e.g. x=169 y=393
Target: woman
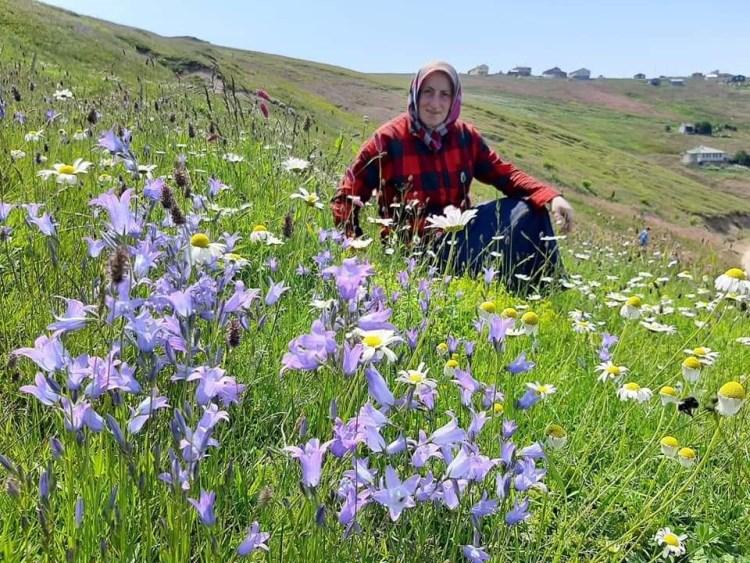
x=424 y=160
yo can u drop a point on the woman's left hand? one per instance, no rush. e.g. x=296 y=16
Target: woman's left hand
x=563 y=213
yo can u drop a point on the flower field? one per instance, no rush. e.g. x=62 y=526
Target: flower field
x=198 y=367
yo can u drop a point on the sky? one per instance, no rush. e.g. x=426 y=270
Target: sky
x=613 y=38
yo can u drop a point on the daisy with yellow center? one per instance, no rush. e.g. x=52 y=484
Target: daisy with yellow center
x=417 y=377
x=487 y=310
x=706 y=356
x=608 y=371
x=583 y=326
x=261 y=234
x=66 y=173
x=310 y=198
x=631 y=309
x=236 y=259
x=557 y=437
x=376 y=342
x=449 y=370
x=633 y=392
x=509 y=313
x=691 y=369
x=498 y=408
x=442 y=349
x=733 y=280
x=530 y=323
x=669 y=446
x=203 y=251
x=542 y=391
x=668 y=395
x=687 y=456
x=673 y=544
x=730 y=395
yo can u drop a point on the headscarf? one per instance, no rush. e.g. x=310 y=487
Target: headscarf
x=433 y=138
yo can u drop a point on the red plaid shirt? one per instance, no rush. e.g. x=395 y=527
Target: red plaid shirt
x=401 y=169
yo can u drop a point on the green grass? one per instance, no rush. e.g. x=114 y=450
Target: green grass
x=608 y=490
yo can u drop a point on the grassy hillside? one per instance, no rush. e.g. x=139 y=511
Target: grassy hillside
x=604 y=140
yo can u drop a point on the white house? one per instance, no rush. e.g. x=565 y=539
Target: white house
x=554 y=72
x=677 y=81
x=481 y=70
x=703 y=155
x=580 y=74
x=520 y=71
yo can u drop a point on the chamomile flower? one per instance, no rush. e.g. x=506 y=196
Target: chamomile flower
x=730 y=395
x=293 y=164
x=655 y=326
x=66 y=173
x=63 y=94
x=442 y=349
x=452 y=221
x=236 y=259
x=608 y=371
x=487 y=310
x=357 y=243
x=530 y=322
x=733 y=280
x=631 y=310
x=633 y=392
x=583 y=326
x=543 y=391
x=34 y=136
x=449 y=370
x=498 y=408
x=376 y=342
x=673 y=544
x=417 y=377
x=261 y=234
x=557 y=437
x=691 y=369
x=704 y=355
x=203 y=251
x=687 y=456
x=669 y=446
x=668 y=395
x=310 y=198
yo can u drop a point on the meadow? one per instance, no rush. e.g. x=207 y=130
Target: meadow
x=198 y=367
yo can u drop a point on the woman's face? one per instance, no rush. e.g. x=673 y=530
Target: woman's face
x=435 y=98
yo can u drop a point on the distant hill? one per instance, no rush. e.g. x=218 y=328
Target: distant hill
x=612 y=145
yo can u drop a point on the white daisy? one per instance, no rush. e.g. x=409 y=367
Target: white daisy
x=452 y=221
x=631 y=310
x=310 y=198
x=730 y=395
x=203 y=251
x=232 y=157
x=357 y=243
x=543 y=390
x=691 y=369
x=608 y=371
x=673 y=544
x=633 y=392
x=417 y=377
x=34 y=136
x=669 y=446
x=687 y=456
x=733 y=280
x=293 y=164
x=376 y=342
x=530 y=323
x=705 y=355
x=261 y=234
x=17 y=155
x=668 y=395
x=66 y=173
x=63 y=94
x=557 y=437
x=655 y=326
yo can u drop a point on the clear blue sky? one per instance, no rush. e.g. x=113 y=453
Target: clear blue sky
x=609 y=37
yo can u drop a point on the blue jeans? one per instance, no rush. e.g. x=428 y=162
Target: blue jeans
x=506 y=235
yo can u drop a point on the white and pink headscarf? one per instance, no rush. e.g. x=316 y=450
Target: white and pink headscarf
x=433 y=138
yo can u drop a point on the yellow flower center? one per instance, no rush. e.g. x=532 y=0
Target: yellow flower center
x=451 y=363
x=372 y=340
x=614 y=371
x=510 y=313
x=556 y=431
x=200 y=240
x=732 y=390
x=488 y=307
x=736 y=273
x=700 y=351
x=669 y=441
x=416 y=377
x=687 y=453
x=498 y=408
x=312 y=198
x=692 y=362
x=259 y=229
x=530 y=318
x=232 y=256
x=667 y=390
x=67 y=169
x=632 y=386
x=543 y=389
x=671 y=539
x=442 y=347
x=634 y=301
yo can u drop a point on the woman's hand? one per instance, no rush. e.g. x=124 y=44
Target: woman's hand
x=563 y=213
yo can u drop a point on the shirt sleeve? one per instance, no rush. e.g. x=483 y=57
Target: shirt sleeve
x=358 y=184
x=490 y=169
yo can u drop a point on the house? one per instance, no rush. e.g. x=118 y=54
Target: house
x=687 y=128
x=697 y=75
x=704 y=155
x=639 y=76
x=554 y=72
x=481 y=70
x=677 y=81
x=580 y=74
x=737 y=79
x=655 y=81
x=520 y=71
